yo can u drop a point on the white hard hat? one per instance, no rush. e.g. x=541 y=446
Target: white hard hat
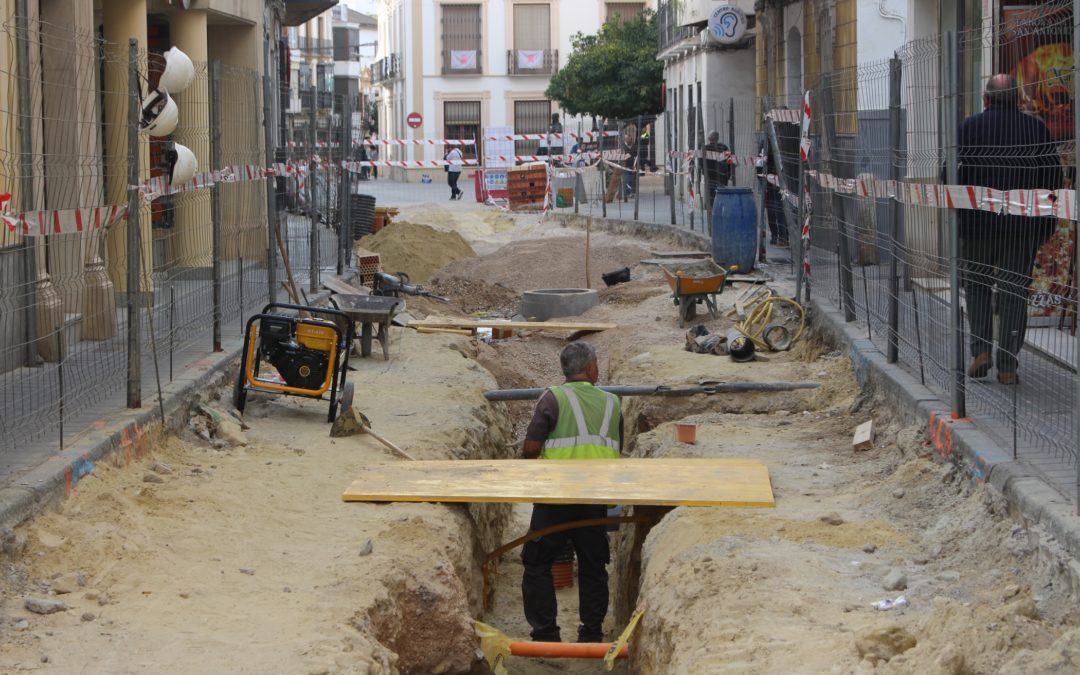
x=179 y=72
x=182 y=164
x=159 y=114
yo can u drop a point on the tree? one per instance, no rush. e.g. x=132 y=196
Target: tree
x=612 y=74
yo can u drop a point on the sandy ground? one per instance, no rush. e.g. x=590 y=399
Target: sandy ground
x=244 y=559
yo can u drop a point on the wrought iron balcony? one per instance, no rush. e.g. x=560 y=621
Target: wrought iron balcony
x=532 y=61
x=668 y=30
x=386 y=69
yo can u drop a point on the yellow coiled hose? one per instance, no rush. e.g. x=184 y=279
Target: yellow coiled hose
x=760 y=313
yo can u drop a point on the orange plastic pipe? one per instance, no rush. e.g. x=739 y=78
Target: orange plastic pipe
x=565 y=650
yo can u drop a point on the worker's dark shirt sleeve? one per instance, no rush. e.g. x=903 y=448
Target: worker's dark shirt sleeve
x=545 y=416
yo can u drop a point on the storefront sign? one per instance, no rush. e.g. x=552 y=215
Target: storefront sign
x=727 y=24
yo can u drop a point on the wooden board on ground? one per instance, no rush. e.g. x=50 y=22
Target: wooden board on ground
x=657 y=482
x=671 y=261
x=339 y=285
x=680 y=254
x=749 y=278
x=864 y=436
x=435 y=322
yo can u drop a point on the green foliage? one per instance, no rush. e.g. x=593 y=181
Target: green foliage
x=612 y=74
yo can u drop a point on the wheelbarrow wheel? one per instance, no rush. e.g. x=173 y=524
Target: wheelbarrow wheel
x=239 y=396
x=687 y=308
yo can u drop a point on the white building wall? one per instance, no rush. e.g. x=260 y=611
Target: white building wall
x=495 y=88
x=882 y=28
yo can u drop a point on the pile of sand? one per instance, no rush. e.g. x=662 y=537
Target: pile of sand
x=417 y=250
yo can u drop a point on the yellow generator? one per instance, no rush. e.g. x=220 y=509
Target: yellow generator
x=294 y=350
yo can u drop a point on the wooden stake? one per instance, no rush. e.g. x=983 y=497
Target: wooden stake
x=291 y=287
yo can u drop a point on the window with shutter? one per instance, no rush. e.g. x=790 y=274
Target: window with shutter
x=461 y=40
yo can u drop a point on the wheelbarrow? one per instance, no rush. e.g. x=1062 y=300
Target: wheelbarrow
x=369 y=311
x=693 y=284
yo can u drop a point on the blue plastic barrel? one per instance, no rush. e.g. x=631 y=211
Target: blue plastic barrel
x=734 y=228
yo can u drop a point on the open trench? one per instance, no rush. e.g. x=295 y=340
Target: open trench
x=243 y=558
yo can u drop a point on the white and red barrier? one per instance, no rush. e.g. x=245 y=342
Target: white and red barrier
x=64 y=221
x=585 y=136
x=415 y=141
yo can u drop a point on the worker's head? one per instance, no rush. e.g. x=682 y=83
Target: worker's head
x=714 y=136
x=1000 y=92
x=578 y=361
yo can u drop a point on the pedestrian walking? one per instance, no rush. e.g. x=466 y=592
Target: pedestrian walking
x=453 y=171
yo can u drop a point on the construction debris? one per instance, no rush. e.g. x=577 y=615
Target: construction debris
x=864 y=436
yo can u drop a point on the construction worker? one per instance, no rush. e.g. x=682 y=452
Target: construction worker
x=574 y=420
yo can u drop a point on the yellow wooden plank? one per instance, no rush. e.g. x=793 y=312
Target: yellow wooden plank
x=435 y=322
x=658 y=482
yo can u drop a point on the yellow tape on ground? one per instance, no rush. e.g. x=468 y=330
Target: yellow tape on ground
x=624 y=637
x=495 y=645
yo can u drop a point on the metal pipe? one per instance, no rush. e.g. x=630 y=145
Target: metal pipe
x=215 y=199
x=1076 y=273
x=658 y=390
x=134 y=246
x=895 y=137
x=313 y=193
x=26 y=200
x=950 y=128
x=273 y=217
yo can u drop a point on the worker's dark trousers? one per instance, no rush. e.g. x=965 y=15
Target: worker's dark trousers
x=537 y=586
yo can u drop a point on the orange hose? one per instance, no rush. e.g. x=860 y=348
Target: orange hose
x=565 y=650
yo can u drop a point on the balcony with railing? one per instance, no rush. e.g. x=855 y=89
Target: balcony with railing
x=324 y=100
x=532 y=61
x=668 y=30
x=386 y=69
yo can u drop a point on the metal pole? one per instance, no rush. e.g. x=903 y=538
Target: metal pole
x=273 y=217
x=215 y=197
x=950 y=128
x=27 y=201
x=172 y=327
x=313 y=211
x=134 y=356
x=847 y=287
x=1076 y=269
x=731 y=125
x=669 y=164
x=637 y=172
x=60 y=382
x=795 y=229
x=346 y=186
x=577 y=176
x=706 y=200
x=895 y=73
x=603 y=169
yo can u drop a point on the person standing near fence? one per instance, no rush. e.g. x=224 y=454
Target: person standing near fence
x=1005 y=149
x=715 y=168
x=774 y=204
x=453 y=171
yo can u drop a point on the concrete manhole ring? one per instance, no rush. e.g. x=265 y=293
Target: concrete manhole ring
x=546 y=303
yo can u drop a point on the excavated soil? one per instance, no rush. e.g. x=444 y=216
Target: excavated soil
x=245 y=559
x=416 y=249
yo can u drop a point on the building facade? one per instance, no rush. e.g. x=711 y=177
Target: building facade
x=468 y=66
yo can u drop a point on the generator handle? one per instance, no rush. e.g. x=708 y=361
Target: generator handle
x=351 y=334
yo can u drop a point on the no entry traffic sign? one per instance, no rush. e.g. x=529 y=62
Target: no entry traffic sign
x=414 y=120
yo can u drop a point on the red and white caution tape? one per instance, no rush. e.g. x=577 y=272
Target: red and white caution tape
x=586 y=136
x=783 y=115
x=355 y=166
x=415 y=141
x=64 y=221
x=804 y=140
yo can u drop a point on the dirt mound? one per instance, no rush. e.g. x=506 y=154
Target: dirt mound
x=551 y=262
x=474 y=296
x=418 y=250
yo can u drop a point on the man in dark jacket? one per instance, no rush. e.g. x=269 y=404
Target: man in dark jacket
x=1005 y=149
x=714 y=168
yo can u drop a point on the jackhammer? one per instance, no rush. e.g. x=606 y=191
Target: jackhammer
x=396 y=284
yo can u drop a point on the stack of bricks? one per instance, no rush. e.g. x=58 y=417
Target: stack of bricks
x=367 y=264
x=526 y=186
